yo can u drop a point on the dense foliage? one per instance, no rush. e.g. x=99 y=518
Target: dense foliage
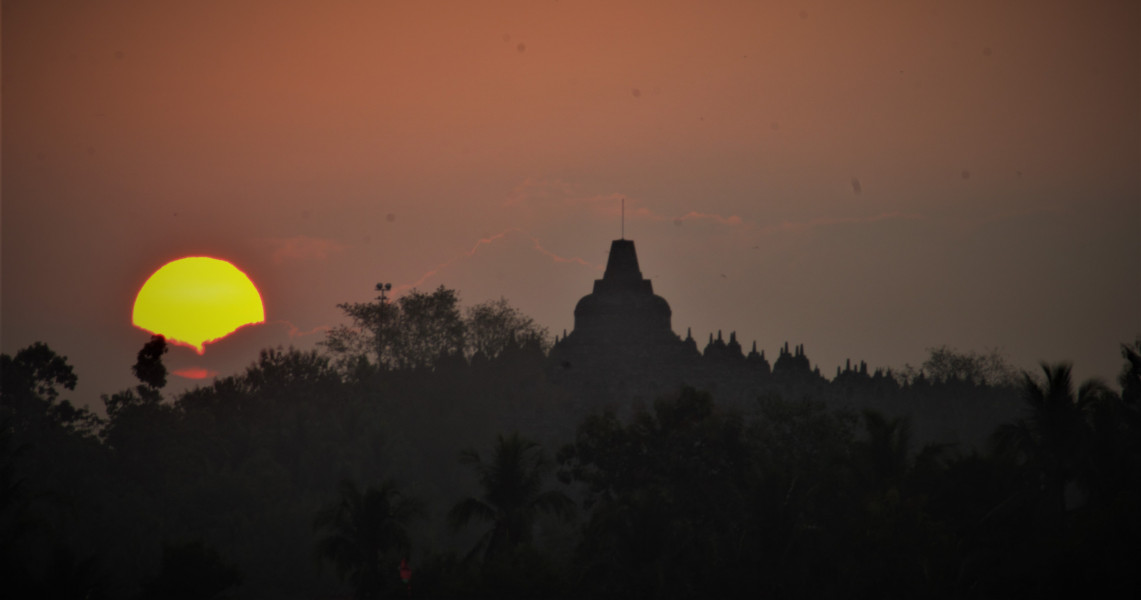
x=431 y=435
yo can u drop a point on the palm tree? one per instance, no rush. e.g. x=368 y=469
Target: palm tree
x=1130 y=377
x=364 y=530
x=1053 y=439
x=512 y=494
x=1115 y=420
x=883 y=457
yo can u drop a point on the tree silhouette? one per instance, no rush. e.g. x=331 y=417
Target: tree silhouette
x=1130 y=377
x=364 y=534
x=669 y=493
x=192 y=571
x=1054 y=437
x=68 y=576
x=420 y=329
x=412 y=332
x=883 y=456
x=1113 y=463
x=430 y=327
x=946 y=364
x=512 y=497
x=149 y=368
x=494 y=326
x=896 y=547
x=38 y=369
x=29 y=394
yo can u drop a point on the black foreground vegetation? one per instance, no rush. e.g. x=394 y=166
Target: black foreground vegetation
x=430 y=436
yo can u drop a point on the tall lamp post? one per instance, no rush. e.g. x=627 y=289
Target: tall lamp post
x=383 y=288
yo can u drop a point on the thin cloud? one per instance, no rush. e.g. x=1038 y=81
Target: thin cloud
x=1008 y=215
x=302 y=247
x=195 y=373
x=487 y=241
x=555 y=257
x=552 y=193
x=611 y=206
x=297 y=332
x=535 y=190
x=801 y=226
x=732 y=220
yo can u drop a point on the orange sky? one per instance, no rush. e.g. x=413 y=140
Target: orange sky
x=869 y=179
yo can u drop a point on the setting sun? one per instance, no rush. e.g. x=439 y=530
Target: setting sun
x=196 y=300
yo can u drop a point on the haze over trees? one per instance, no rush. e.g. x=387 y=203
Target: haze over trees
x=431 y=433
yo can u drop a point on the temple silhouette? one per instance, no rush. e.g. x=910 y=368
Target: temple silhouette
x=623 y=346
x=622 y=318
x=623 y=353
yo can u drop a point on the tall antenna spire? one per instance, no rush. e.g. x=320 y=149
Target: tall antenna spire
x=623 y=218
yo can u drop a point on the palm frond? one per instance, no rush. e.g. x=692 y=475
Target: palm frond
x=1092 y=390
x=555 y=502
x=1015 y=440
x=360 y=526
x=512 y=483
x=468 y=509
x=482 y=546
x=469 y=457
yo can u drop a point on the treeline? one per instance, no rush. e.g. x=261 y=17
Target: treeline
x=448 y=453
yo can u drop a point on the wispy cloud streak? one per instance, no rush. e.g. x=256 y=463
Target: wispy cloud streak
x=302 y=247
x=487 y=241
x=296 y=332
x=195 y=373
x=732 y=220
x=799 y=226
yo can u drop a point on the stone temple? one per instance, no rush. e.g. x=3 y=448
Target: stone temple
x=624 y=354
x=622 y=319
x=623 y=346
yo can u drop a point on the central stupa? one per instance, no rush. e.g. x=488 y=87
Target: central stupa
x=620 y=320
x=623 y=348
x=623 y=308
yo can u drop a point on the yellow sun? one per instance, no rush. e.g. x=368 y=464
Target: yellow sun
x=196 y=300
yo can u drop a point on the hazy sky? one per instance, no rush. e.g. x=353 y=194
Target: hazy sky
x=869 y=179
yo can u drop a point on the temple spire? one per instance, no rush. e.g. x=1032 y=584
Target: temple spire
x=622 y=270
